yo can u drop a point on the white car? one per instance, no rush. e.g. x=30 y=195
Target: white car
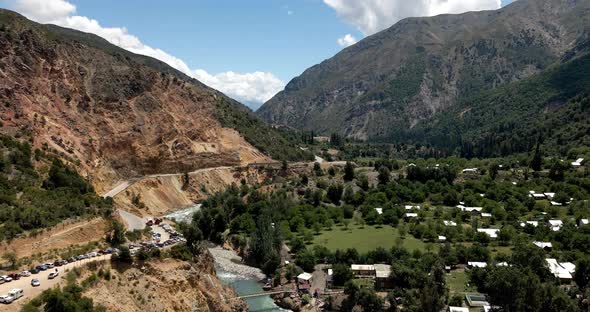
x=25 y=273
x=35 y=282
x=6 y=299
x=6 y=278
x=53 y=275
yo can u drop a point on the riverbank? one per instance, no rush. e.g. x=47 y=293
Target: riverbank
x=245 y=280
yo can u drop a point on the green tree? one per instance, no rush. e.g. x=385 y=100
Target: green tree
x=10 y=257
x=335 y=193
x=384 y=175
x=348 y=171
x=116 y=235
x=342 y=274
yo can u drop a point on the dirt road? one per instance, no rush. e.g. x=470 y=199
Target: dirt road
x=24 y=283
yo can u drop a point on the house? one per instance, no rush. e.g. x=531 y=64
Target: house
x=564 y=274
x=549 y=195
x=382 y=276
x=379 y=211
x=458 y=309
x=578 y=162
x=533 y=223
x=537 y=196
x=410 y=215
x=476 y=300
x=450 y=223
x=583 y=222
x=472 y=210
x=554 y=203
x=410 y=207
x=492 y=233
x=476 y=264
x=555 y=224
x=470 y=171
x=543 y=245
x=304 y=281
x=442 y=238
x=363 y=270
x=486 y=215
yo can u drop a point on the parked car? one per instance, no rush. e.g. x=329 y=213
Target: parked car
x=41 y=267
x=2 y=280
x=72 y=259
x=14 y=276
x=25 y=273
x=49 y=265
x=35 y=282
x=53 y=275
x=6 y=299
x=34 y=271
x=6 y=278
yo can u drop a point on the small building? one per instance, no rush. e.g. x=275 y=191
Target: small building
x=476 y=264
x=537 y=196
x=492 y=233
x=555 y=224
x=442 y=239
x=486 y=215
x=476 y=300
x=449 y=223
x=472 y=210
x=363 y=270
x=554 y=203
x=411 y=215
x=583 y=222
x=458 y=309
x=411 y=207
x=578 y=163
x=543 y=245
x=383 y=276
x=561 y=272
x=549 y=195
x=470 y=171
x=532 y=223
x=304 y=281
x=379 y=211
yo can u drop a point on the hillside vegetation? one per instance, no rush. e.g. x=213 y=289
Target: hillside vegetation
x=37 y=190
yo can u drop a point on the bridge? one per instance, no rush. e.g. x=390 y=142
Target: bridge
x=266 y=293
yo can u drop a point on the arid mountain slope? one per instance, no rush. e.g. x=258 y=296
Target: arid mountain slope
x=422 y=66
x=114 y=113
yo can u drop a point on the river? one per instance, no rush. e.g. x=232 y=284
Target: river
x=243 y=279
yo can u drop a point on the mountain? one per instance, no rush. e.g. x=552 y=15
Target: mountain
x=407 y=74
x=113 y=114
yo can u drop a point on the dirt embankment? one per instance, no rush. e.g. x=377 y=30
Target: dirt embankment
x=161 y=195
x=167 y=285
x=67 y=234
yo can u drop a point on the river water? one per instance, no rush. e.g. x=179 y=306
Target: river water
x=244 y=279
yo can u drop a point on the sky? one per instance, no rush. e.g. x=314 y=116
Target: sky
x=247 y=49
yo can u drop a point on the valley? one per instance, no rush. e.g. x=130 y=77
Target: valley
x=440 y=164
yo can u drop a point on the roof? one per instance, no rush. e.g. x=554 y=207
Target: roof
x=382 y=270
x=477 y=264
x=558 y=270
x=533 y=223
x=469 y=209
x=442 y=238
x=450 y=223
x=583 y=221
x=570 y=267
x=410 y=207
x=493 y=233
x=362 y=267
x=476 y=300
x=330 y=272
x=411 y=215
x=379 y=210
x=555 y=222
x=458 y=309
x=304 y=276
x=543 y=244
x=554 y=203
x=486 y=214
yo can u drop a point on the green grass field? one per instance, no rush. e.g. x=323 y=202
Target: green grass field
x=367 y=238
x=457 y=282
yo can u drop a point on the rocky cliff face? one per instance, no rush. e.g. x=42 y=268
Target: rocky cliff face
x=422 y=66
x=166 y=285
x=110 y=112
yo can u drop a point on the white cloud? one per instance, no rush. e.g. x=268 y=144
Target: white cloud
x=371 y=16
x=346 y=41
x=248 y=87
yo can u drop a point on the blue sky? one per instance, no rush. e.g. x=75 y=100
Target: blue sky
x=247 y=49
